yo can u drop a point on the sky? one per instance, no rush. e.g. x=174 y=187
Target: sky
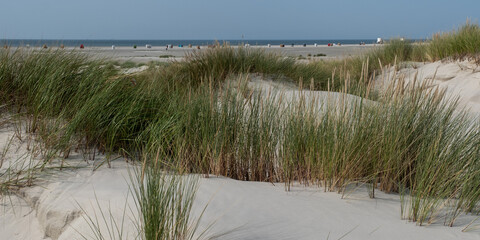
x=230 y=19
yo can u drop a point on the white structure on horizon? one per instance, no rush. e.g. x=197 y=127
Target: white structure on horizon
x=148 y=46
x=113 y=47
x=379 y=40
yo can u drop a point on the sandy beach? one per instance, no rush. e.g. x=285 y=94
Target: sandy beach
x=159 y=53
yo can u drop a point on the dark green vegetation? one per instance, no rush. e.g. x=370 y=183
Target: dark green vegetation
x=187 y=117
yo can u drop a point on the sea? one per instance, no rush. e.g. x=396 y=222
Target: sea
x=125 y=43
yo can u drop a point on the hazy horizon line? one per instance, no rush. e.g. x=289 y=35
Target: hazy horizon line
x=192 y=39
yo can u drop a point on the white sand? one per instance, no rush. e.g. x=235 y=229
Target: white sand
x=251 y=210
x=134 y=70
x=285 y=93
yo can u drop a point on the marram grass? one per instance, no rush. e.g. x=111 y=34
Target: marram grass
x=461 y=43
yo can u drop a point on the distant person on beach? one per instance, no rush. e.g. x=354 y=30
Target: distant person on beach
x=166 y=49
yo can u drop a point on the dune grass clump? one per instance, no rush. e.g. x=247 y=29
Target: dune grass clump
x=83 y=101
x=220 y=62
x=412 y=142
x=394 y=50
x=49 y=82
x=359 y=70
x=113 y=118
x=49 y=87
x=457 y=44
x=164 y=202
x=392 y=53
x=215 y=131
x=463 y=43
x=217 y=63
x=386 y=144
x=234 y=137
x=395 y=145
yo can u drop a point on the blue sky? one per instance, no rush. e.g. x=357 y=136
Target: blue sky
x=229 y=19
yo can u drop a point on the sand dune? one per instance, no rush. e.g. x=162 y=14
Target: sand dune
x=242 y=210
x=459 y=79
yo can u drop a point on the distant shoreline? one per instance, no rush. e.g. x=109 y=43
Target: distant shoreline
x=160 y=53
x=142 y=54
x=176 y=43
